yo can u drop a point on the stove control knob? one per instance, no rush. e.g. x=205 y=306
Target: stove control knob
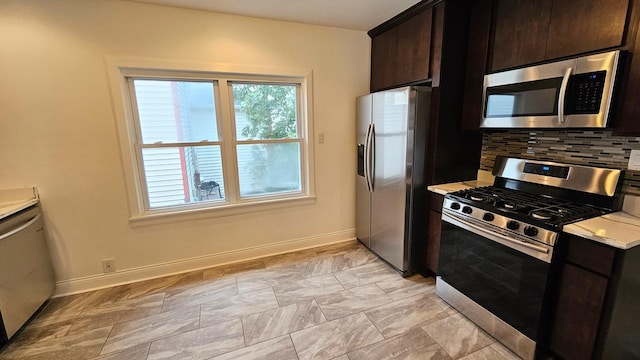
x=488 y=217
x=467 y=210
x=513 y=225
x=530 y=231
x=455 y=206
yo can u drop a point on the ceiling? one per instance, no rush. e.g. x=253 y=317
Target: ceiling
x=350 y=14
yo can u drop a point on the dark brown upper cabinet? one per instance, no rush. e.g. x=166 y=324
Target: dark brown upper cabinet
x=400 y=55
x=581 y=26
x=628 y=122
x=528 y=31
x=476 y=65
x=382 y=64
x=520 y=36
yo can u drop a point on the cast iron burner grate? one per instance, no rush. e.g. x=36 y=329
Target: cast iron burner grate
x=535 y=206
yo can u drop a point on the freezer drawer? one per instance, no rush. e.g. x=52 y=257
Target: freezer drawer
x=26 y=275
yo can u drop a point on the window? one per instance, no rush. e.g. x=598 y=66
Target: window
x=207 y=140
x=267 y=139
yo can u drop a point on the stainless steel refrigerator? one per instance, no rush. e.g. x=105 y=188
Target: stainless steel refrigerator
x=390 y=191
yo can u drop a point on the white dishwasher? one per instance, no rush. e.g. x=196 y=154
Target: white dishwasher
x=27 y=279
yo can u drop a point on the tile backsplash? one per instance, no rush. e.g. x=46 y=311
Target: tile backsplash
x=596 y=148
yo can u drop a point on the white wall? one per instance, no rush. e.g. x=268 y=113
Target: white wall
x=58 y=130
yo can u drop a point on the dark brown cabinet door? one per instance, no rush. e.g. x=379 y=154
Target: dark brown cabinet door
x=383 y=59
x=401 y=54
x=433 y=234
x=580 y=304
x=476 y=66
x=521 y=28
x=580 y=26
x=528 y=31
x=414 y=49
x=629 y=119
x=433 y=241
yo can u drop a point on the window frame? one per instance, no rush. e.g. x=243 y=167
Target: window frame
x=124 y=71
x=300 y=128
x=139 y=145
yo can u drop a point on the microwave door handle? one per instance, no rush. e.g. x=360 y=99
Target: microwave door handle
x=562 y=95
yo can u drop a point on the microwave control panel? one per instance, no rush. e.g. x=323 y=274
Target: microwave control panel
x=585 y=93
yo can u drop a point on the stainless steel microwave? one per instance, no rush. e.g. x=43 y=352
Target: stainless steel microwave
x=574 y=93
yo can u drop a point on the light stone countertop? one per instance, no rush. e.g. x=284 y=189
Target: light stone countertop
x=14 y=200
x=484 y=179
x=620 y=229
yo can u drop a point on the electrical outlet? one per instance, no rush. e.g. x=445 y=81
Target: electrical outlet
x=108 y=265
x=321 y=138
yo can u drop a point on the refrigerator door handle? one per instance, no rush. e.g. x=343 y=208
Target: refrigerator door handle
x=367 y=162
x=371 y=146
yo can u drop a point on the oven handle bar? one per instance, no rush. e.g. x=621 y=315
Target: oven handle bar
x=542 y=252
x=17 y=230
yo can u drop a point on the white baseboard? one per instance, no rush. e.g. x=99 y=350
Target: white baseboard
x=94 y=282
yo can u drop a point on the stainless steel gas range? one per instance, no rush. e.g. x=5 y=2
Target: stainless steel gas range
x=497 y=244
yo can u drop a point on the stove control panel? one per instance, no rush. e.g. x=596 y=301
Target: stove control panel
x=489 y=220
x=561 y=172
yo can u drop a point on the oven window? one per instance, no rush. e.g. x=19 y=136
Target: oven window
x=533 y=98
x=506 y=282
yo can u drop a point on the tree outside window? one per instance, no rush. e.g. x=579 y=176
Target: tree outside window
x=268 y=141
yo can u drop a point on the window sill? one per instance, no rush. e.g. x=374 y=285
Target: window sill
x=186 y=214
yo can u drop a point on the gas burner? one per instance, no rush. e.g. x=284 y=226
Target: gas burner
x=509 y=205
x=542 y=215
x=475 y=197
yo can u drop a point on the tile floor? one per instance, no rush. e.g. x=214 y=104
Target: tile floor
x=334 y=302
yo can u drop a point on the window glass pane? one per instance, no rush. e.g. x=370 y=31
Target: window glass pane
x=183 y=175
x=265 y=111
x=176 y=111
x=266 y=169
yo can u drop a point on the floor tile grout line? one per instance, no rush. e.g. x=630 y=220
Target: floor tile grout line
x=244 y=333
x=378 y=330
x=374 y=324
x=294 y=346
x=164 y=336
x=105 y=341
x=321 y=311
x=484 y=347
x=148 y=351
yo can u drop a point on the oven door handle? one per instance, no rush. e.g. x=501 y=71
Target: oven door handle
x=20 y=228
x=512 y=243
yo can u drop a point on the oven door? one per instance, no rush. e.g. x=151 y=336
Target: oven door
x=502 y=279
